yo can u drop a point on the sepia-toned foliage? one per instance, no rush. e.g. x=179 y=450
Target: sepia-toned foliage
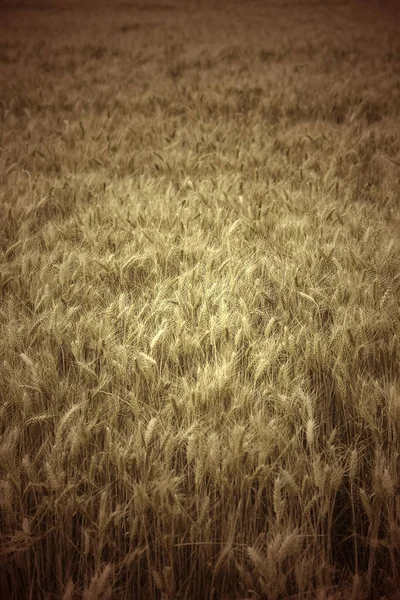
x=199 y=300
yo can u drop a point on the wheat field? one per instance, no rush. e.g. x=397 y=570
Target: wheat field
x=199 y=300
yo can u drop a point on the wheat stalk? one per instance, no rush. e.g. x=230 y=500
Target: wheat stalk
x=69 y=591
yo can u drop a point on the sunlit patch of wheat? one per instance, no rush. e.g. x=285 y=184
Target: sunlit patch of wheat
x=290 y=546
x=310 y=432
x=353 y=465
x=69 y=591
x=383 y=481
x=99 y=587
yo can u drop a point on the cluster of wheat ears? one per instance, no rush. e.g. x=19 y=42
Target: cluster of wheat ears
x=199 y=301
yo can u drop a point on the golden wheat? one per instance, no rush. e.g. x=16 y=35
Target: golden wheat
x=199 y=274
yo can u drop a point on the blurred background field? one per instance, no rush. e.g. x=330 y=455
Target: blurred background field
x=199 y=300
